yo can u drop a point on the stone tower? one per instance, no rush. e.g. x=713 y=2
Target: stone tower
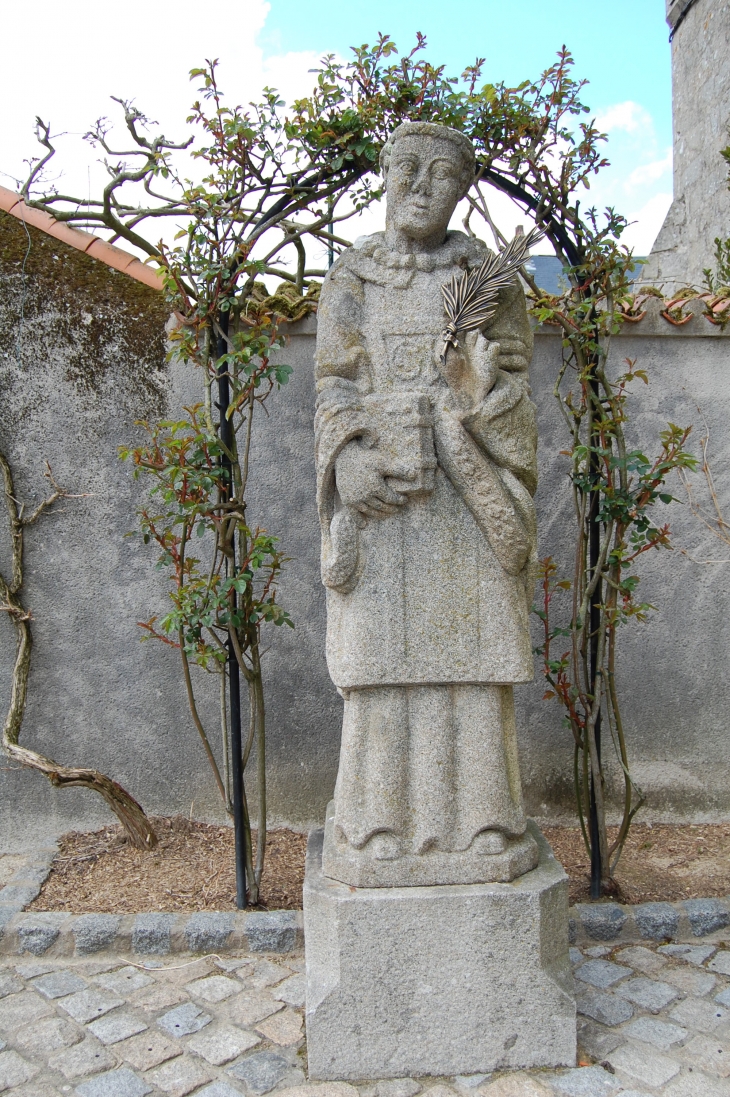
x=701 y=115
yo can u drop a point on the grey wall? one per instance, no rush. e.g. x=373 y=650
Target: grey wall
x=91 y=362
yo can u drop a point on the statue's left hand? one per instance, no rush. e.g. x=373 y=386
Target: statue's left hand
x=471 y=370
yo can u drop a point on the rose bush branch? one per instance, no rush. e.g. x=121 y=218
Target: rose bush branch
x=132 y=817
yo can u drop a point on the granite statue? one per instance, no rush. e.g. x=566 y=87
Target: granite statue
x=426 y=468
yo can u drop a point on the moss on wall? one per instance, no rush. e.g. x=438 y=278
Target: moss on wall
x=110 y=327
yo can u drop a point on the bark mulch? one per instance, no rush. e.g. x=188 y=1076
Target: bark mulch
x=192 y=868
x=660 y=863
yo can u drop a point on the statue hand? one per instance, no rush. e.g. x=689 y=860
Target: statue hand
x=361 y=482
x=484 y=361
x=470 y=371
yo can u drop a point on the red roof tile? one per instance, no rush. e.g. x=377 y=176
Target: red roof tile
x=94 y=246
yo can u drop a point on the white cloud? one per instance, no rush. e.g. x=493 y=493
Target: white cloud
x=629 y=117
x=650 y=173
x=68 y=68
x=646 y=222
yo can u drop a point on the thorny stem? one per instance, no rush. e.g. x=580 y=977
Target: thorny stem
x=130 y=814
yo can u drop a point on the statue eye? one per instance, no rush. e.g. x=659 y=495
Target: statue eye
x=442 y=170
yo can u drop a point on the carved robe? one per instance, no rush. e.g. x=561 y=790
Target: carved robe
x=427 y=609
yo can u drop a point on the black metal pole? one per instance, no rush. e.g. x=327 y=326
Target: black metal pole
x=594 y=549
x=330 y=233
x=234 y=682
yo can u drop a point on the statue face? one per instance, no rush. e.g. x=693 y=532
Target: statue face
x=423 y=187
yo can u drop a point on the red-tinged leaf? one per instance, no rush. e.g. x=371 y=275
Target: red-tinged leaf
x=546 y=696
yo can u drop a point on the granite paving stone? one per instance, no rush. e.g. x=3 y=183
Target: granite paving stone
x=9 y=985
x=36 y=1089
x=689 y=1040
x=222 y=1045
x=336 y=1089
x=88 y=1057
x=184 y=1019
x=691 y=980
x=235 y=966
x=602 y=973
x=48 y=1035
x=35 y=967
x=219 y=1089
x=159 y=996
x=179 y=1076
x=283 y=1028
x=269 y=932
x=657 y=921
x=605 y=1008
x=403 y=1087
x=515 y=1085
x=268 y=974
x=115 y=1083
x=641 y=959
x=707 y=1053
x=292 y=991
x=648 y=993
x=700 y=1014
x=152 y=934
x=645 y=1066
x=148 y=1050
x=596 y=1041
x=576 y=956
x=19 y=1009
x=14 y=1070
x=247 y=1009
x=124 y=980
x=661 y=1034
x=116 y=1026
x=38 y=932
x=584 y=1082
x=58 y=984
x=696 y=1084
x=94 y=932
x=602 y=922
x=706 y=915
x=213 y=988
x=261 y=1071
x=691 y=954
x=206 y=932
x=720 y=962
x=87 y=1005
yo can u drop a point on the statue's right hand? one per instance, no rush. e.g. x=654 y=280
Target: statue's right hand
x=361 y=482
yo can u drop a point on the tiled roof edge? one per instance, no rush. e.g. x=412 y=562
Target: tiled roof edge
x=94 y=246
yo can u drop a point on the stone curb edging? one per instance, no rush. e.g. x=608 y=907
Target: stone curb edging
x=591 y=923
x=56 y=933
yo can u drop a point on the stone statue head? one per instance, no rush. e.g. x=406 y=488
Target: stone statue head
x=427 y=170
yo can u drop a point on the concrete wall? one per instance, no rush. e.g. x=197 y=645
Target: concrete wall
x=91 y=361
x=700 y=210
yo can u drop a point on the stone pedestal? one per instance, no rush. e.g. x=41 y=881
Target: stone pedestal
x=458 y=979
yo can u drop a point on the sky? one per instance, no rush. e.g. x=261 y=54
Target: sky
x=65 y=68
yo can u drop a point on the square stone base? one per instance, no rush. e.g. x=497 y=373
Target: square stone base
x=458 y=979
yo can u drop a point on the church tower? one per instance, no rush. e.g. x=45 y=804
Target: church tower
x=700 y=211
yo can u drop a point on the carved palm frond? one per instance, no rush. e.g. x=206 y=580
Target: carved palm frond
x=470 y=299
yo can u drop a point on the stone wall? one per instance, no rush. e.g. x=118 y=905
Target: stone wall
x=90 y=362
x=700 y=210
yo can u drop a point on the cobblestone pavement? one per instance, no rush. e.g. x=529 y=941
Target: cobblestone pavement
x=652 y=1020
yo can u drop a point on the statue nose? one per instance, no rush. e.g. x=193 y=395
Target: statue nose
x=422 y=184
